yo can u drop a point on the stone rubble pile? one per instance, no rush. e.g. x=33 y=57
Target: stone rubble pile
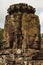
x=18 y=56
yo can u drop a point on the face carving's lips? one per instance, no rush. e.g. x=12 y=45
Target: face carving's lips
x=35 y=45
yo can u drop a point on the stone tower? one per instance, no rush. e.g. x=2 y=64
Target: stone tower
x=21 y=36
x=22 y=27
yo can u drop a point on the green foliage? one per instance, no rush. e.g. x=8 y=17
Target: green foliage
x=42 y=35
x=1 y=36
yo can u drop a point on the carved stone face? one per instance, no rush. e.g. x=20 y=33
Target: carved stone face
x=31 y=30
x=33 y=38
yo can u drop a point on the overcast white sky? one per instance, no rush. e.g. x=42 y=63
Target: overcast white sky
x=4 y=4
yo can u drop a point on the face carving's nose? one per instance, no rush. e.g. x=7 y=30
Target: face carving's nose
x=36 y=39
